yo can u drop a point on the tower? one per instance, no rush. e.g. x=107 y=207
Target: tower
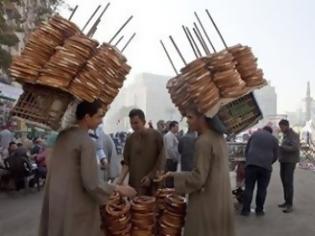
x=308 y=103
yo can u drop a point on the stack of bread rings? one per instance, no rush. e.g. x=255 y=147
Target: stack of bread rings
x=160 y=195
x=208 y=83
x=194 y=86
x=200 y=86
x=60 y=56
x=173 y=216
x=143 y=216
x=102 y=76
x=116 y=217
x=65 y=64
x=40 y=47
x=225 y=75
x=246 y=64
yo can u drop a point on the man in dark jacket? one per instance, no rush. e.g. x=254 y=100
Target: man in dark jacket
x=186 y=148
x=289 y=155
x=261 y=152
x=19 y=167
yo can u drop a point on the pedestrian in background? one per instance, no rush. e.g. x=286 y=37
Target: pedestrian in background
x=171 y=150
x=261 y=152
x=289 y=155
x=186 y=148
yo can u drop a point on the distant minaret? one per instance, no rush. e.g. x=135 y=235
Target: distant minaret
x=308 y=103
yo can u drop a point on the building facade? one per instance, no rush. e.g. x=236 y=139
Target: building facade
x=147 y=92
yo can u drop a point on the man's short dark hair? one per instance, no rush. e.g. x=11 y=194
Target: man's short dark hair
x=137 y=112
x=87 y=108
x=12 y=143
x=173 y=124
x=284 y=122
x=268 y=129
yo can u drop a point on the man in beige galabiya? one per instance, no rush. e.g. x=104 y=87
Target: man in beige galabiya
x=73 y=192
x=209 y=211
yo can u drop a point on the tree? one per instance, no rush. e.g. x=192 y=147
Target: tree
x=24 y=20
x=8 y=38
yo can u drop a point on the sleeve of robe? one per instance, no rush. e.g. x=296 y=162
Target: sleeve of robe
x=126 y=152
x=189 y=182
x=99 y=190
x=160 y=161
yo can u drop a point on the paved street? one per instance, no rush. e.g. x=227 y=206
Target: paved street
x=19 y=213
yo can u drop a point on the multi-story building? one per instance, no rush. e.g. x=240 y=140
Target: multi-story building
x=267 y=100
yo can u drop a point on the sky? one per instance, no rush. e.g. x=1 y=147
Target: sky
x=280 y=32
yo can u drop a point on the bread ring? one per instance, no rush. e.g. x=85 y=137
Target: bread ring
x=205 y=107
x=234 y=93
x=194 y=65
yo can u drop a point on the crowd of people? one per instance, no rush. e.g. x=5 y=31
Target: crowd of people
x=262 y=151
x=22 y=161
x=88 y=163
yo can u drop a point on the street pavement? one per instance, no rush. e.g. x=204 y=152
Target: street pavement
x=19 y=213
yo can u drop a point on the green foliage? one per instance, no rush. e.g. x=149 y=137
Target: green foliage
x=5 y=59
x=9 y=39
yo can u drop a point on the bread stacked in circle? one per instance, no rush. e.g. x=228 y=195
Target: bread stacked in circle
x=173 y=217
x=160 y=195
x=143 y=216
x=65 y=64
x=59 y=55
x=225 y=75
x=102 y=76
x=200 y=86
x=246 y=64
x=209 y=82
x=116 y=217
x=40 y=47
x=194 y=86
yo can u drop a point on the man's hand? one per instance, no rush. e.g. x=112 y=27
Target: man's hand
x=146 y=181
x=104 y=164
x=126 y=190
x=167 y=175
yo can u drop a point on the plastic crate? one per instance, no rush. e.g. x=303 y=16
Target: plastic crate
x=240 y=114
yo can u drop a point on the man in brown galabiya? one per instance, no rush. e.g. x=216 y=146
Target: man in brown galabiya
x=143 y=154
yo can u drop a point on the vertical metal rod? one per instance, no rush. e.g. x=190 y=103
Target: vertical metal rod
x=91 y=17
x=189 y=40
x=128 y=42
x=120 y=29
x=74 y=11
x=119 y=40
x=194 y=42
x=217 y=29
x=91 y=32
x=205 y=32
x=202 y=39
x=178 y=51
x=98 y=20
x=169 y=57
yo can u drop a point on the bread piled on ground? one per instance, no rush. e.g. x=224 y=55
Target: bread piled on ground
x=161 y=195
x=143 y=216
x=40 y=47
x=173 y=217
x=246 y=64
x=116 y=217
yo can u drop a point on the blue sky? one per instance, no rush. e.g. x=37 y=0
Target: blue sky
x=281 y=33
